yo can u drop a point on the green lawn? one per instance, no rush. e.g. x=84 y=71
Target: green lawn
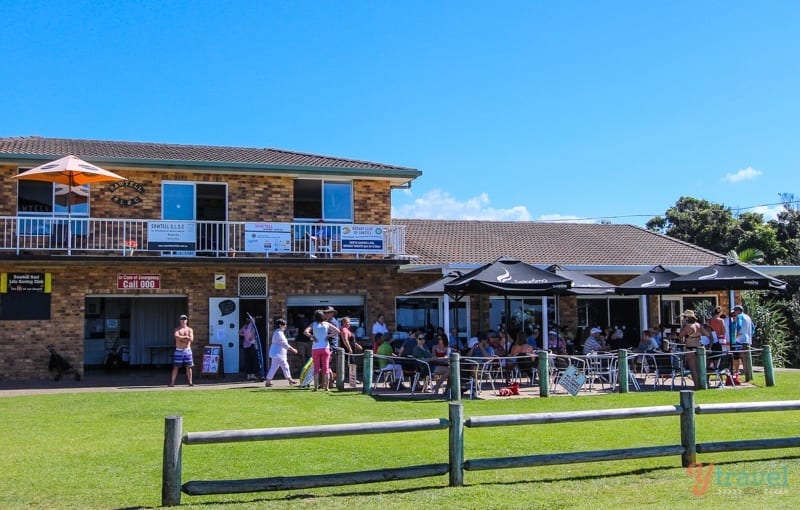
x=104 y=450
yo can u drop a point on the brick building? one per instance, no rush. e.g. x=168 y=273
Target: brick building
x=223 y=232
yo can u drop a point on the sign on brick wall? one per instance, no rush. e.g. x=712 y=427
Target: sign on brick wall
x=138 y=281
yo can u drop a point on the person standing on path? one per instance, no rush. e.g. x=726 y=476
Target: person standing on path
x=248 y=333
x=320 y=349
x=184 y=336
x=277 y=354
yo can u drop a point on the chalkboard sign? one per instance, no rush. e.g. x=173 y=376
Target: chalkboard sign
x=212 y=360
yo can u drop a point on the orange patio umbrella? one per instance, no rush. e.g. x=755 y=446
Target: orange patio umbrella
x=71 y=171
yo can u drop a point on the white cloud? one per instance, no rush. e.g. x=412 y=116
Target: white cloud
x=440 y=205
x=770 y=212
x=745 y=174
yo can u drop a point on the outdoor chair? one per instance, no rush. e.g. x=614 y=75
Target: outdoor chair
x=718 y=368
x=633 y=360
x=385 y=375
x=317 y=244
x=667 y=367
x=491 y=370
x=468 y=374
x=524 y=366
x=601 y=368
x=416 y=371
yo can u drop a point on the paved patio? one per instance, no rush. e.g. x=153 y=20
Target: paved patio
x=157 y=379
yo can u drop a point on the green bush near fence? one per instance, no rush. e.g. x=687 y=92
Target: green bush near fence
x=104 y=450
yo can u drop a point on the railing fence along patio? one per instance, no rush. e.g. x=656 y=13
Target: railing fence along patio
x=688 y=448
x=195 y=238
x=544 y=371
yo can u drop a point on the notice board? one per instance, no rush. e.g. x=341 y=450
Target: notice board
x=212 y=360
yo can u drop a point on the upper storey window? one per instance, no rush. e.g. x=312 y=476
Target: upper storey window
x=45 y=198
x=316 y=199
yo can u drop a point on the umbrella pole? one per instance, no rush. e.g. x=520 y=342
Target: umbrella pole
x=446 y=319
x=508 y=321
x=69 y=215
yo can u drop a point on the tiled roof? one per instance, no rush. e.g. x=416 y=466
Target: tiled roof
x=479 y=242
x=159 y=152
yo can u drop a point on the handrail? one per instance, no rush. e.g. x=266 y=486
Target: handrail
x=130 y=236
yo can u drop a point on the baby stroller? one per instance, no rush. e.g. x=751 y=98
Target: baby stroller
x=60 y=366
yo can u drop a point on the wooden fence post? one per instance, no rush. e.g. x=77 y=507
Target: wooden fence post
x=367 y=388
x=544 y=376
x=748 y=372
x=700 y=361
x=769 y=370
x=171 y=470
x=340 y=366
x=454 y=379
x=688 y=439
x=622 y=377
x=456 y=450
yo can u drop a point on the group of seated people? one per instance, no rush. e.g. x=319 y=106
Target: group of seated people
x=416 y=346
x=520 y=351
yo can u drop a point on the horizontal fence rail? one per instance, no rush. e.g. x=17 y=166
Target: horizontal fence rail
x=456 y=423
x=572 y=416
x=348 y=429
x=748 y=407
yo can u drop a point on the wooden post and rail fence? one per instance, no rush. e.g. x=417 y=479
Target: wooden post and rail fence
x=688 y=448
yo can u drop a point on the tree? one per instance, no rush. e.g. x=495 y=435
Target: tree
x=754 y=234
x=747 y=256
x=787 y=229
x=771 y=327
x=709 y=225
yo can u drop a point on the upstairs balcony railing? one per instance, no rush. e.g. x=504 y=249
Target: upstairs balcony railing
x=94 y=236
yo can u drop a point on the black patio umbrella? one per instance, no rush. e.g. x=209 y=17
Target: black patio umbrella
x=435 y=288
x=507 y=277
x=726 y=275
x=654 y=281
x=582 y=283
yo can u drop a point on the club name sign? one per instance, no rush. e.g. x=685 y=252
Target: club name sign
x=128 y=201
x=132 y=281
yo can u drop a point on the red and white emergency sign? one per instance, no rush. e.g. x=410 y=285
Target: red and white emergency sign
x=138 y=281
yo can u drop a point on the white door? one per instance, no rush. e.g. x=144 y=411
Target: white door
x=223 y=328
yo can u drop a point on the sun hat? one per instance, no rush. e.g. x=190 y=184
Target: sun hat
x=689 y=314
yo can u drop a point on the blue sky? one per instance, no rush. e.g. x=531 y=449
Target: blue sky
x=513 y=110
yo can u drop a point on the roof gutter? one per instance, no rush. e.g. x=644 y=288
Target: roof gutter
x=393 y=173
x=632 y=270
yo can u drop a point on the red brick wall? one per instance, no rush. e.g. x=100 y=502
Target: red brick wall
x=22 y=343
x=255 y=197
